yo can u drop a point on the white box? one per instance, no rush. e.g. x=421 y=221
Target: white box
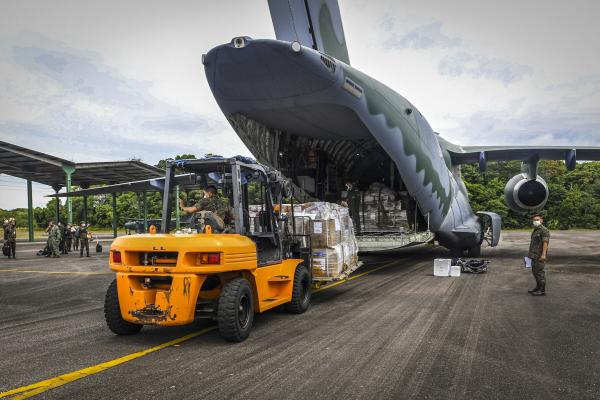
x=441 y=267
x=455 y=270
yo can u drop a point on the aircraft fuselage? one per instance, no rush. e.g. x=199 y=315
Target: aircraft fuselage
x=283 y=101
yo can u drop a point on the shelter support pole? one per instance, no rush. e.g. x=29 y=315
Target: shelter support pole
x=69 y=170
x=177 y=208
x=145 y=200
x=57 y=209
x=114 y=214
x=30 y=209
x=85 y=213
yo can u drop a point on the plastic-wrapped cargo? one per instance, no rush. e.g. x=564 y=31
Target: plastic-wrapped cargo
x=328 y=262
x=335 y=249
x=326 y=223
x=381 y=210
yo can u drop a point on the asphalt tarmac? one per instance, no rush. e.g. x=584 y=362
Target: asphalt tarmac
x=394 y=333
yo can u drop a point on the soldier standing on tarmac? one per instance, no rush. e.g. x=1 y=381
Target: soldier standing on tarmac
x=75 y=234
x=10 y=235
x=538 y=251
x=62 y=245
x=83 y=240
x=351 y=198
x=68 y=238
x=54 y=240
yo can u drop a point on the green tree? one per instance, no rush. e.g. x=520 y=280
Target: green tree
x=574 y=200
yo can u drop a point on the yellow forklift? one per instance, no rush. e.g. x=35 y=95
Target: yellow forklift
x=221 y=270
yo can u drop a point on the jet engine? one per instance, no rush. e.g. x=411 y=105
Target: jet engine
x=524 y=195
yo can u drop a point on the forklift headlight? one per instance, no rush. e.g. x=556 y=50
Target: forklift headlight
x=209 y=258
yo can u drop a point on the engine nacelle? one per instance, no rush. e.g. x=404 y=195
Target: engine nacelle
x=523 y=195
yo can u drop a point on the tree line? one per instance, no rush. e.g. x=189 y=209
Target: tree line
x=574 y=200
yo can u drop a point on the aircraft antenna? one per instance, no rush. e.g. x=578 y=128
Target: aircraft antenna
x=292 y=20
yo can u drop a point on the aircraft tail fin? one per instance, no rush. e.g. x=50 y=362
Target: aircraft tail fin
x=313 y=23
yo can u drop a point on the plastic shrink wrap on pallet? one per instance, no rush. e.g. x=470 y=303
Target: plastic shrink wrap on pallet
x=334 y=246
x=381 y=211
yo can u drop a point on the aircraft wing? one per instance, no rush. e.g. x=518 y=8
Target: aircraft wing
x=314 y=23
x=482 y=154
x=156 y=184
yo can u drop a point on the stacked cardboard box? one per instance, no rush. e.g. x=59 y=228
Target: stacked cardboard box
x=381 y=210
x=332 y=237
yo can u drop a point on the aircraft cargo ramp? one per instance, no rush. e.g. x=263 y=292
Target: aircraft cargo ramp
x=392 y=331
x=392 y=241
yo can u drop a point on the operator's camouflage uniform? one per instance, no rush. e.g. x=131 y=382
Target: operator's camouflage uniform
x=540 y=235
x=216 y=205
x=54 y=241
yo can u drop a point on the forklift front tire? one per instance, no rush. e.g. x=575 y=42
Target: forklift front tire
x=235 y=313
x=112 y=314
x=301 y=292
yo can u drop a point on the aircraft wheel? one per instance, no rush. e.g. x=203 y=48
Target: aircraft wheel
x=112 y=314
x=235 y=313
x=301 y=292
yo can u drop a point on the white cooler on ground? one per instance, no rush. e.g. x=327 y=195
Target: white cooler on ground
x=455 y=270
x=441 y=267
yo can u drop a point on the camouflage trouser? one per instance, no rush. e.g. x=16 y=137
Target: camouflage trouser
x=354 y=212
x=54 y=247
x=84 y=244
x=13 y=248
x=538 y=269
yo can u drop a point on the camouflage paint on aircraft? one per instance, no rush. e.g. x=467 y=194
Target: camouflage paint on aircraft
x=382 y=100
x=332 y=45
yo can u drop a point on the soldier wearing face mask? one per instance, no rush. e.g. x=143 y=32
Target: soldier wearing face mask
x=538 y=251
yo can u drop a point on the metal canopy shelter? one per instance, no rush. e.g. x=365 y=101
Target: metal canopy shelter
x=57 y=173
x=186 y=181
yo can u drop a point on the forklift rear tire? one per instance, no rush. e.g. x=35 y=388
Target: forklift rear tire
x=301 y=292
x=112 y=314
x=235 y=313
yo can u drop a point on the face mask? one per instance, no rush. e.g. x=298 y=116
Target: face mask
x=537 y=223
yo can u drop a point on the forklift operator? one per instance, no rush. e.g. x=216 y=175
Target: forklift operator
x=210 y=202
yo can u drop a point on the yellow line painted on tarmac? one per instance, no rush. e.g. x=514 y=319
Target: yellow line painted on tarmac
x=25 y=392
x=39 y=387
x=56 y=272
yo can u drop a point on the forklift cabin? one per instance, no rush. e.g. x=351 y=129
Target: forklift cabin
x=269 y=229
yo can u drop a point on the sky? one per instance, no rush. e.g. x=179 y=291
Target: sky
x=115 y=80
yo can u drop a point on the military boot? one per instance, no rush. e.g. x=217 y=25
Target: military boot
x=537 y=287
x=541 y=291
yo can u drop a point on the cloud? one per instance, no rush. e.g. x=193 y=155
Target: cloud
x=179 y=123
x=531 y=127
x=480 y=66
x=71 y=103
x=423 y=37
x=84 y=73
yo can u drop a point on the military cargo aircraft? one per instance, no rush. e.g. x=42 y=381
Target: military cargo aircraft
x=300 y=107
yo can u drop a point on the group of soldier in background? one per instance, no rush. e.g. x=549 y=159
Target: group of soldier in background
x=9 y=248
x=63 y=239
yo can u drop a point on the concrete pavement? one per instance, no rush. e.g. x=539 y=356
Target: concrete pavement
x=397 y=332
